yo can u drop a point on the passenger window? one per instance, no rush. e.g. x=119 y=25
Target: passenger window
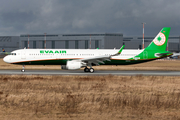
x=13 y=53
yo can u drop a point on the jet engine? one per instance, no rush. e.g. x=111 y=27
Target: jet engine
x=72 y=65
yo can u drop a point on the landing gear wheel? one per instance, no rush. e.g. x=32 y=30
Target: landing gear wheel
x=91 y=70
x=23 y=68
x=86 y=69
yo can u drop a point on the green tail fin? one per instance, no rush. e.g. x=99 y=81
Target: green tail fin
x=160 y=41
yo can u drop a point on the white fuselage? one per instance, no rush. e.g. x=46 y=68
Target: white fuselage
x=23 y=55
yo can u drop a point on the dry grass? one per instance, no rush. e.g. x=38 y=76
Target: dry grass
x=89 y=97
x=153 y=65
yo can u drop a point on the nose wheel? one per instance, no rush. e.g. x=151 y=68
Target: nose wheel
x=91 y=70
x=23 y=68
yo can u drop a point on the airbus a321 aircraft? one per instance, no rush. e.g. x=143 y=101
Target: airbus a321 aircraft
x=72 y=59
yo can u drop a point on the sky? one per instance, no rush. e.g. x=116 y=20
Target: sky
x=88 y=16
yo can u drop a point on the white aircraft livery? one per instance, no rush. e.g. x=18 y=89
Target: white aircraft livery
x=72 y=59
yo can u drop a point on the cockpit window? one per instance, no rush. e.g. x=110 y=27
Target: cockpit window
x=13 y=53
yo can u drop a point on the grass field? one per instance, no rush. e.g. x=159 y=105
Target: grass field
x=89 y=97
x=153 y=65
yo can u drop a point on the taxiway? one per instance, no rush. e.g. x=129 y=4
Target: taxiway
x=81 y=72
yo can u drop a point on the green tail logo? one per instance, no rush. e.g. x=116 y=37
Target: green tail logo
x=157 y=48
x=160 y=41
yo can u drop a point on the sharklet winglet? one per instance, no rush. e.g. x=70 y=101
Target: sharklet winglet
x=120 y=50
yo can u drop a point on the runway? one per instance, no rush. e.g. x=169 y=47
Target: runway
x=96 y=73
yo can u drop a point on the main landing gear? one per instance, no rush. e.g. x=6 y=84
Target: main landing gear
x=91 y=70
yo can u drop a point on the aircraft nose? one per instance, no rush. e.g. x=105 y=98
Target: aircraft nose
x=6 y=59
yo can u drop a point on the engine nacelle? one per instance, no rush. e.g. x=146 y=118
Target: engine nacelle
x=72 y=65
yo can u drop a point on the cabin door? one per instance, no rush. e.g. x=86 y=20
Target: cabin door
x=23 y=54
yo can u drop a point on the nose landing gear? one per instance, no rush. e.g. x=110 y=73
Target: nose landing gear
x=23 y=68
x=91 y=70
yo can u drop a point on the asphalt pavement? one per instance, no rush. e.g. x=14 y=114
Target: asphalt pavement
x=97 y=72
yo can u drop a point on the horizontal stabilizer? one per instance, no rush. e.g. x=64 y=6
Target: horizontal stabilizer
x=164 y=53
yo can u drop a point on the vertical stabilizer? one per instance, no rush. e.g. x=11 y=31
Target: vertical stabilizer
x=160 y=41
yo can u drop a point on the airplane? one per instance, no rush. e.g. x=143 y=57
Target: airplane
x=73 y=59
x=175 y=56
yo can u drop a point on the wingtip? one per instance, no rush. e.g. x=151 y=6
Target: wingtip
x=121 y=49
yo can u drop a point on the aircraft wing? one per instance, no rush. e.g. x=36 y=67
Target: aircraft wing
x=100 y=59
